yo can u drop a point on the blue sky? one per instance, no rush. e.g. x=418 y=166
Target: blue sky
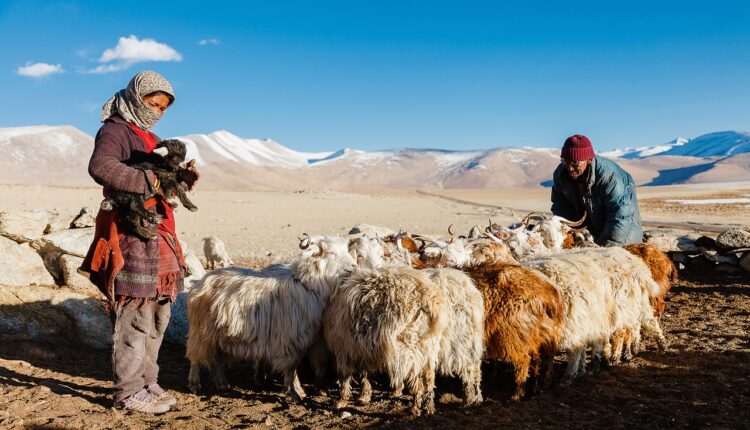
x=324 y=75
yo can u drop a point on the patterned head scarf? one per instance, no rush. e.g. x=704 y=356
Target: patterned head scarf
x=128 y=102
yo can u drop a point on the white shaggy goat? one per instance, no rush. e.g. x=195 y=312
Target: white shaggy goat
x=605 y=290
x=269 y=317
x=462 y=346
x=388 y=320
x=216 y=253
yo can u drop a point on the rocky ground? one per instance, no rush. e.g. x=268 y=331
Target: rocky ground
x=704 y=381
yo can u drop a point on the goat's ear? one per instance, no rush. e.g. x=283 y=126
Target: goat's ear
x=322 y=249
x=161 y=151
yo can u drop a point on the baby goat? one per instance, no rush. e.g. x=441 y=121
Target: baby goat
x=164 y=161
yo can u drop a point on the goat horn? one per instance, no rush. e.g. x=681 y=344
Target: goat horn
x=449 y=230
x=532 y=215
x=574 y=223
x=398 y=241
x=427 y=239
x=491 y=235
x=304 y=242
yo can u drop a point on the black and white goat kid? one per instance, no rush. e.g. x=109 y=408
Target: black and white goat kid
x=164 y=161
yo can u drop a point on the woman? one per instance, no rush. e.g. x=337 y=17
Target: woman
x=140 y=278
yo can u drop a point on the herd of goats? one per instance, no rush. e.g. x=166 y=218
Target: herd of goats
x=410 y=307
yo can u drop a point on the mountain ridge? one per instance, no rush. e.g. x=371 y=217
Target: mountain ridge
x=59 y=154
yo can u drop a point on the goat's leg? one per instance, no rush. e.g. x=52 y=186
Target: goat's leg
x=547 y=364
x=220 y=378
x=521 y=375
x=293 y=386
x=599 y=352
x=478 y=383
x=345 y=381
x=575 y=357
x=317 y=357
x=137 y=207
x=417 y=390
x=428 y=385
x=194 y=378
x=182 y=195
x=653 y=328
x=366 y=394
x=617 y=340
x=398 y=389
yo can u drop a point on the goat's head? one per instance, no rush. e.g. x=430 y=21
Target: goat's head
x=555 y=230
x=437 y=253
x=173 y=151
x=368 y=252
x=324 y=261
x=521 y=241
x=489 y=251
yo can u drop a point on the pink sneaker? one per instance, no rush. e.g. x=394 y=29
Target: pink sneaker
x=142 y=401
x=160 y=394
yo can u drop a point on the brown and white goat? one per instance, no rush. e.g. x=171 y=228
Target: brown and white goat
x=662 y=269
x=523 y=319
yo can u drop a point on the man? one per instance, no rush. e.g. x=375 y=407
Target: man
x=585 y=183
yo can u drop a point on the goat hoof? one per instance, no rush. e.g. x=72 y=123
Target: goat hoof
x=195 y=389
x=222 y=387
x=192 y=209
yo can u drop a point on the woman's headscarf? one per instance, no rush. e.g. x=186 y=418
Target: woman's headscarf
x=128 y=102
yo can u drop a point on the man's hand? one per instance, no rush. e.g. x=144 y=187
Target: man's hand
x=189 y=175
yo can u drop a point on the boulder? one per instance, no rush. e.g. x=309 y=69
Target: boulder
x=53 y=264
x=370 y=230
x=734 y=238
x=713 y=255
x=59 y=221
x=74 y=280
x=86 y=217
x=21 y=266
x=745 y=261
x=74 y=241
x=45 y=313
x=23 y=226
x=195 y=267
x=669 y=241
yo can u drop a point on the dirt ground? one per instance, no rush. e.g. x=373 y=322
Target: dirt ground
x=704 y=381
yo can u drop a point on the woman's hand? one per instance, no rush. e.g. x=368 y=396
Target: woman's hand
x=189 y=175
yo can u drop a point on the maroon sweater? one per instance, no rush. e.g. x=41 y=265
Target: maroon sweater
x=114 y=147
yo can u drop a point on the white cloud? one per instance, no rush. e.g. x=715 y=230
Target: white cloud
x=204 y=42
x=39 y=70
x=130 y=50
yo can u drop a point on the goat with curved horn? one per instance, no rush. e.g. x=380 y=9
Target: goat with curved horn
x=304 y=241
x=533 y=215
x=573 y=224
x=491 y=234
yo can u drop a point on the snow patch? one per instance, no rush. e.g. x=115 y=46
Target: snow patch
x=711 y=201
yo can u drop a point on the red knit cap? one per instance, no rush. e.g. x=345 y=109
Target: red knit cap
x=577 y=148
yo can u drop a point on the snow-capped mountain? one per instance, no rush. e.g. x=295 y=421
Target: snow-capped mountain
x=59 y=155
x=719 y=144
x=224 y=146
